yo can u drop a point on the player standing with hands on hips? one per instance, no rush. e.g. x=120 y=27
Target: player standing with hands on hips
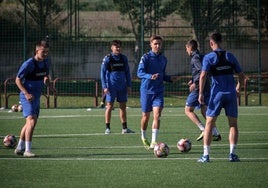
x=116 y=83
x=152 y=72
x=221 y=65
x=31 y=78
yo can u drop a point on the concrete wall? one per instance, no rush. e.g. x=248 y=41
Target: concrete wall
x=84 y=60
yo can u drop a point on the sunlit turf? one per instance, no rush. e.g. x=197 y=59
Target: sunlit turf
x=73 y=151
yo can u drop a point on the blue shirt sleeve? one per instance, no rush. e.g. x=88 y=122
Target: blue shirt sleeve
x=26 y=68
x=231 y=58
x=104 y=81
x=210 y=57
x=141 y=73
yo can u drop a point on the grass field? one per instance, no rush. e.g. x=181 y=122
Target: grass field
x=74 y=152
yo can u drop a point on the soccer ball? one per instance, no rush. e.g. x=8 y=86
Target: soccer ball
x=184 y=145
x=161 y=150
x=10 y=141
x=14 y=108
x=20 y=108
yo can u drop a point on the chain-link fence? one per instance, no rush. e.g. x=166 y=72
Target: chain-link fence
x=80 y=32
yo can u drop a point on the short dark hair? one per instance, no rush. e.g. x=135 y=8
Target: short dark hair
x=155 y=37
x=42 y=43
x=116 y=43
x=216 y=37
x=193 y=44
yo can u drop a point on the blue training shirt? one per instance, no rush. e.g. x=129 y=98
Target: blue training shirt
x=32 y=74
x=118 y=77
x=223 y=82
x=150 y=64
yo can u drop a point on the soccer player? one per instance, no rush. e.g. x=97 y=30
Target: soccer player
x=31 y=77
x=221 y=65
x=116 y=83
x=152 y=72
x=192 y=99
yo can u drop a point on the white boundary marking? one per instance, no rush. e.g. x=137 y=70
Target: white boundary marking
x=166 y=113
x=102 y=115
x=102 y=134
x=123 y=159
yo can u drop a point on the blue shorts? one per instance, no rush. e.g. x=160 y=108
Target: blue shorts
x=148 y=101
x=220 y=100
x=192 y=99
x=120 y=95
x=30 y=108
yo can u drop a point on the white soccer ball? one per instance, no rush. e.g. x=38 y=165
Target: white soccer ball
x=14 y=108
x=161 y=150
x=10 y=141
x=184 y=145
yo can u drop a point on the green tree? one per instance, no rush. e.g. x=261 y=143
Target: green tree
x=250 y=12
x=154 y=11
x=224 y=15
x=209 y=15
x=44 y=14
x=204 y=16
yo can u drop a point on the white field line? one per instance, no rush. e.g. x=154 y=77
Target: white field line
x=102 y=134
x=124 y=159
x=175 y=114
x=141 y=146
x=171 y=146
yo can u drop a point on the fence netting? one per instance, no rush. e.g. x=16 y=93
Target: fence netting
x=80 y=31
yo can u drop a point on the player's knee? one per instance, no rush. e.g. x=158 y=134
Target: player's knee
x=31 y=122
x=188 y=110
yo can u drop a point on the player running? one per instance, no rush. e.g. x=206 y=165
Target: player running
x=192 y=99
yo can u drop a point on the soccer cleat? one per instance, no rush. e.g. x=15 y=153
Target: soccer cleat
x=233 y=158
x=152 y=145
x=102 y=105
x=127 y=130
x=107 y=131
x=216 y=137
x=18 y=152
x=146 y=144
x=200 y=136
x=203 y=159
x=28 y=154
